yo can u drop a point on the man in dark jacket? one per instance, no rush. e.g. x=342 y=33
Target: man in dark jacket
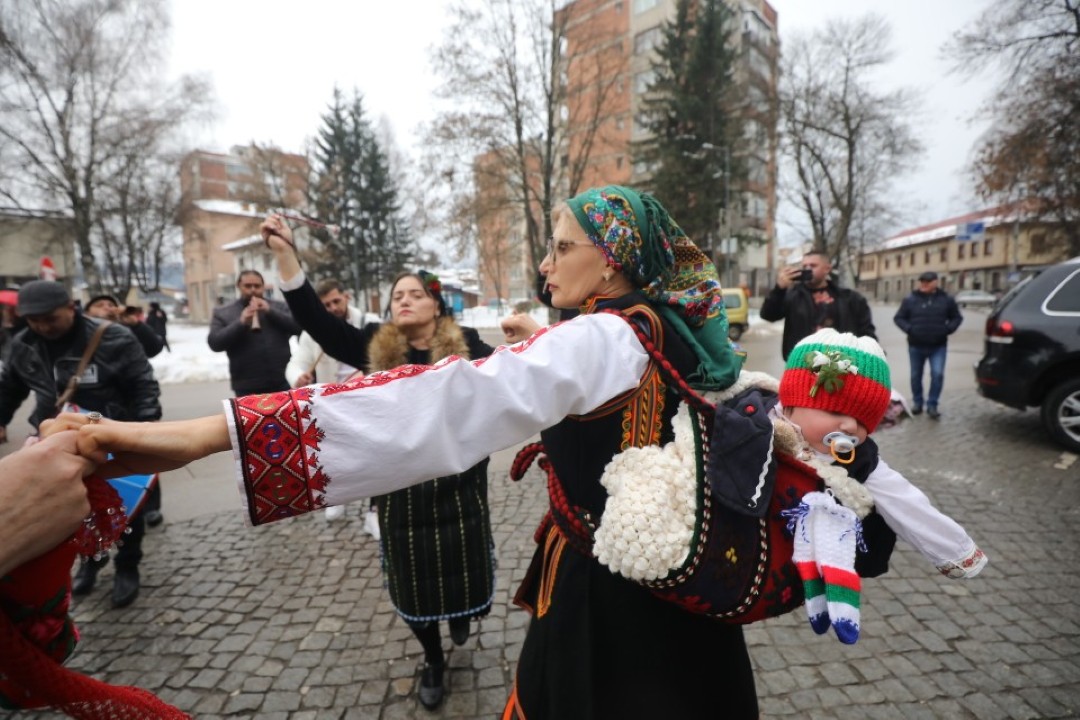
x=254 y=333
x=808 y=300
x=118 y=382
x=928 y=316
x=106 y=307
x=158 y=321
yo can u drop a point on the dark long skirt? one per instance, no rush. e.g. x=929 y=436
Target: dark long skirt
x=600 y=646
x=437 y=551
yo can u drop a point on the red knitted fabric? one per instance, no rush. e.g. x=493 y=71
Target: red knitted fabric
x=37 y=635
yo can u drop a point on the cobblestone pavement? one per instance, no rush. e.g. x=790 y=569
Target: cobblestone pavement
x=291 y=620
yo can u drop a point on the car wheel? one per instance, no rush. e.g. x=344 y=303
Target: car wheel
x=1061 y=414
x=734 y=331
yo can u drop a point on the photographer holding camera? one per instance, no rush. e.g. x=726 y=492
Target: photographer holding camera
x=808 y=299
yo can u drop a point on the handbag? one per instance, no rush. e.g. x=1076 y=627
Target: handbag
x=730 y=481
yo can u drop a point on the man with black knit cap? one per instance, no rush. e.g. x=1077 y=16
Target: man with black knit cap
x=117 y=381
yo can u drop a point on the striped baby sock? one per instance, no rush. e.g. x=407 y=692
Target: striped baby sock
x=805 y=517
x=836 y=532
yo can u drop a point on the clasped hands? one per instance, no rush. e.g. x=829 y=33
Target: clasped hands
x=43 y=499
x=128 y=448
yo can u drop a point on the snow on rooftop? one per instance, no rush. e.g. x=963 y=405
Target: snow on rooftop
x=243 y=243
x=947 y=228
x=230 y=207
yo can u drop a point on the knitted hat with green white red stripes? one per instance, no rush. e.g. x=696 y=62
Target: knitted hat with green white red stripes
x=838 y=372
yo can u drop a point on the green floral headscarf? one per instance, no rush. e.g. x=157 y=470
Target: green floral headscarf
x=640 y=240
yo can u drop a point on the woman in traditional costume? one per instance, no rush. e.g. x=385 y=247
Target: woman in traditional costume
x=599 y=645
x=437 y=550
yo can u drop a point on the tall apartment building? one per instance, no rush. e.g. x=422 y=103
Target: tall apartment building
x=637 y=27
x=226 y=198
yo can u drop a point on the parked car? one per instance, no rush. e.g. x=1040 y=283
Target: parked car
x=975 y=298
x=738 y=311
x=1031 y=356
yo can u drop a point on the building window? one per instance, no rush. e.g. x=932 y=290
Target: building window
x=643 y=80
x=757 y=28
x=886 y=263
x=756 y=170
x=926 y=258
x=960 y=251
x=974 y=248
x=943 y=254
x=911 y=259
x=899 y=261
x=1038 y=244
x=759 y=63
x=641 y=6
x=618 y=162
x=644 y=42
x=987 y=246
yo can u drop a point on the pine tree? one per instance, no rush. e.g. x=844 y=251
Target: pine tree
x=352 y=188
x=691 y=113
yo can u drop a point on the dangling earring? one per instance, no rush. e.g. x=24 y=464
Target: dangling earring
x=606 y=275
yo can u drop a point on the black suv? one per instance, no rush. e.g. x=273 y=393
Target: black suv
x=1032 y=354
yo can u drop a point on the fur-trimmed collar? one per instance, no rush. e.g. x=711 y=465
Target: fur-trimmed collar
x=390 y=348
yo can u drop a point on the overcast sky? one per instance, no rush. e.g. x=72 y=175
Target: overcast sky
x=274 y=66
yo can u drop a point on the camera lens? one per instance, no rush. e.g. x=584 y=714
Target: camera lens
x=806 y=275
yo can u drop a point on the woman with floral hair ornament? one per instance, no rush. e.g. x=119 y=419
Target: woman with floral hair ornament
x=437 y=550
x=599 y=645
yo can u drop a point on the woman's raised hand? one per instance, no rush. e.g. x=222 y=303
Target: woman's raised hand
x=276 y=233
x=278 y=237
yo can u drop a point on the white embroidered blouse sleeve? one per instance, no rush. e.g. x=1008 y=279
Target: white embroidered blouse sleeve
x=396 y=428
x=910 y=514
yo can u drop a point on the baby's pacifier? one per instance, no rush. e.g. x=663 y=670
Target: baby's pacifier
x=841 y=444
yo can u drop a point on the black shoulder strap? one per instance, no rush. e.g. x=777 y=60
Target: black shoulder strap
x=91 y=348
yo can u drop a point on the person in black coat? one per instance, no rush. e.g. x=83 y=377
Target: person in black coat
x=928 y=316
x=106 y=307
x=118 y=382
x=254 y=333
x=808 y=300
x=158 y=319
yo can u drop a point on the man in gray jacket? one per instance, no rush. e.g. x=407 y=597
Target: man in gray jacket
x=254 y=333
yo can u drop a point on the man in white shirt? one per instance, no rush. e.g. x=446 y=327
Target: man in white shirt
x=309 y=364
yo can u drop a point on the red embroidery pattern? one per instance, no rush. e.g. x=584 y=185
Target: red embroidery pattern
x=279 y=440
x=279 y=445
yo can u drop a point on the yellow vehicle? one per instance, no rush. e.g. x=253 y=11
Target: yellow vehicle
x=738 y=311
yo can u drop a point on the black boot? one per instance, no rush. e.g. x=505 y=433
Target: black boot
x=86 y=576
x=459 y=630
x=125 y=587
x=431 y=686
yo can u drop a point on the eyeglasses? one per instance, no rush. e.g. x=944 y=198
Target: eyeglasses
x=558 y=248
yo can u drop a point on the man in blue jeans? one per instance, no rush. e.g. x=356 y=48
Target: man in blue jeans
x=928 y=316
